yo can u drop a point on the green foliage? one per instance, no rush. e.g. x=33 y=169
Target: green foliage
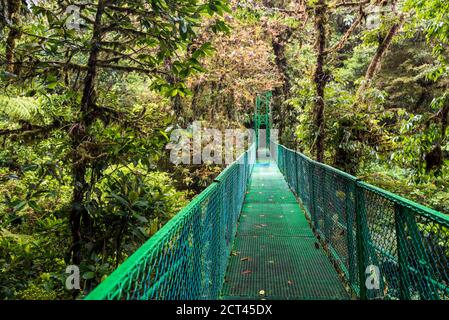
x=86 y=114
x=393 y=130
x=433 y=17
x=83 y=121
x=31 y=259
x=354 y=67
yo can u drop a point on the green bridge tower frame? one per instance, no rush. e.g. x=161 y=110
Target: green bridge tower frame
x=262 y=117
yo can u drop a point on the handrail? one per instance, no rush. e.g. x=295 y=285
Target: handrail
x=368 y=229
x=186 y=259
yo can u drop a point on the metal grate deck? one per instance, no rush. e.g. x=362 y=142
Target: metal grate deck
x=275 y=254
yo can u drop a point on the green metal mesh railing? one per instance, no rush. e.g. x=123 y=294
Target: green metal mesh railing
x=365 y=227
x=187 y=258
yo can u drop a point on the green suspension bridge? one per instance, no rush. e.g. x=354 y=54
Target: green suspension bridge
x=278 y=225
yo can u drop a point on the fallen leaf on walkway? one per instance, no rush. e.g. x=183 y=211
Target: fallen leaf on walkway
x=235 y=253
x=245 y=259
x=290 y=282
x=246 y=272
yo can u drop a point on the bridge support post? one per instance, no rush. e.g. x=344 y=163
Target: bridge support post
x=401 y=244
x=426 y=288
x=361 y=245
x=296 y=175
x=350 y=217
x=312 y=194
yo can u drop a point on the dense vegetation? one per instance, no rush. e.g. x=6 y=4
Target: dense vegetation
x=90 y=91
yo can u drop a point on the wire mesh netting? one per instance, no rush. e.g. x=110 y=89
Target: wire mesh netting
x=395 y=248
x=275 y=251
x=187 y=258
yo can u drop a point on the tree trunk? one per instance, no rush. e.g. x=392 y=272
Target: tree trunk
x=320 y=78
x=376 y=62
x=230 y=105
x=195 y=106
x=13 y=10
x=79 y=134
x=281 y=94
x=444 y=122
